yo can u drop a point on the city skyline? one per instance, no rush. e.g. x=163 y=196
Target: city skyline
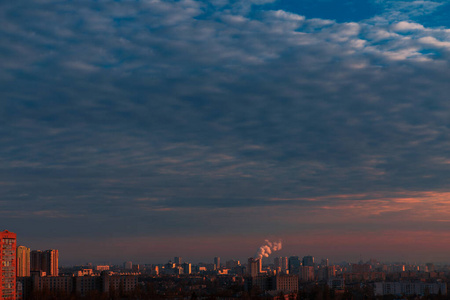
x=132 y=129
x=269 y=253
x=91 y=256
x=36 y=274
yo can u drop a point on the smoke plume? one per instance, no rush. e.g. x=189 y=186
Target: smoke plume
x=266 y=249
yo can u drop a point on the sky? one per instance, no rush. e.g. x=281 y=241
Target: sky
x=146 y=129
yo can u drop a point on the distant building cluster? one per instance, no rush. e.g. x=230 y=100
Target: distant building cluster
x=21 y=262
x=287 y=275
x=45 y=262
x=35 y=274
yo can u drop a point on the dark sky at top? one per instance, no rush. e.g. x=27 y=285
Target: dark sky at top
x=146 y=123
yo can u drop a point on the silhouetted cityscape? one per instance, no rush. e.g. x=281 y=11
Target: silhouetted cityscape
x=36 y=274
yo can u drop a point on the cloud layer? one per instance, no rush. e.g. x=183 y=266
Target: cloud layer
x=191 y=118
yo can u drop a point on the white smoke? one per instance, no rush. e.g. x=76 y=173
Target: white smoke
x=267 y=249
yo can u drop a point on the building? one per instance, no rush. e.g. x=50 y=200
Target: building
x=50 y=262
x=83 y=272
x=254 y=266
x=77 y=285
x=361 y=268
x=336 y=283
x=326 y=273
x=284 y=264
x=286 y=283
x=124 y=283
x=8 y=242
x=45 y=261
x=128 y=265
x=410 y=288
x=217 y=262
x=100 y=268
x=294 y=265
x=35 y=261
x=23 y=261
x=280 y=264
x=19 y=289
x=52 y=283
x=135 y=268
x=178 y=260
x=283 y=283
x=229 y=264
x=363 y=277
x=277 y=263
x=430 y=267
x=187 y=268
x=308 y=261
x=307 y=273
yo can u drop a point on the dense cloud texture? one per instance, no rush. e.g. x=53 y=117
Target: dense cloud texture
x=191 y=118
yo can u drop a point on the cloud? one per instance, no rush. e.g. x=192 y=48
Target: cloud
x=404 y=10
x=406 y=26
x=434 y=42
x=177 y=114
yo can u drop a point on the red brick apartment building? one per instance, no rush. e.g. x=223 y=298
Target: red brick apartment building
x=8 y=265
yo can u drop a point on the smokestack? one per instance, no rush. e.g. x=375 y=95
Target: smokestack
x=267 y=249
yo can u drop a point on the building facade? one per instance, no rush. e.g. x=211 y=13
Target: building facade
x=23 y=261
x=35 y=261
x=77 y=285
x=217 y=262
x=307 y=273
x=410 y=288
x=294 y=264
x=45 y=261
x=282 y=283
x=308 y=261
x=254 y=266
x=8 y=242
x=51 y=262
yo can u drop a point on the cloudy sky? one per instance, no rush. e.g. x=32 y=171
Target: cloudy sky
x=145 y=129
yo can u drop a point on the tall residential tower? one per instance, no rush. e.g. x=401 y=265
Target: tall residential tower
x=254 y=266
x=46 y=261
x=8 y=265
x=23 y=261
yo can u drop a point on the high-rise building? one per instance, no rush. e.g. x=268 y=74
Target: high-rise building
x=178 y=260
x=45 y=261
x=35 y=261
x=284 y=264
x=277 y=262
x=50 y=262
x=280 y=263
x=325 y=262
x=254 y=266
x=187 y=268
x=128 y=265
x=23 y=261
x=217 y=262
x=229 y=264
x=294 y=265
x=7 y=265
x=308 y=261
x=307 y=273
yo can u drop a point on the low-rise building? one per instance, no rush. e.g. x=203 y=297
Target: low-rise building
x=409 y=288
